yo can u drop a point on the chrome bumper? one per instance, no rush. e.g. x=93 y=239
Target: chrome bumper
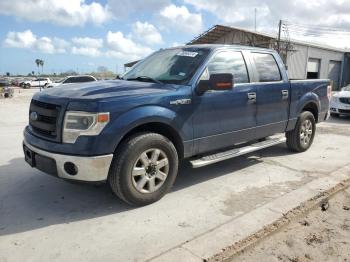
x=91 y=169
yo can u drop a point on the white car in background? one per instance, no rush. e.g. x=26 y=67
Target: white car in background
x=340 y=102
x=73 y=79
x=37 y=82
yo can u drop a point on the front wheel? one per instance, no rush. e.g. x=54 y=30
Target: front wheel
x=144 y=169
x=300 y=139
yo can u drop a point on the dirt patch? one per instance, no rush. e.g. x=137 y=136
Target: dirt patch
x=318 y=236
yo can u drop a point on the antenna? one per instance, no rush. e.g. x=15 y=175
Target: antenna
x=255 y=19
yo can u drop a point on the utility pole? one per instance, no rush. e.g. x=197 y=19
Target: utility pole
x=255 y=19
x=279 y=36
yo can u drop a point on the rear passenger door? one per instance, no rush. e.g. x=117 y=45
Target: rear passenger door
x=272 y=94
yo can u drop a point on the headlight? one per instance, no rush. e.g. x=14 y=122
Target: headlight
x=83 y=124
x=335 y=99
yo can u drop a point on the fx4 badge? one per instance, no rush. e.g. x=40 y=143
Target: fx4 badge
x=181 y=102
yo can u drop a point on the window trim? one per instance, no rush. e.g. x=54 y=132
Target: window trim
x=256 y=73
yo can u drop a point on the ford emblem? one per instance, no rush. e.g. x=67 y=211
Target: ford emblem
x=34 y=116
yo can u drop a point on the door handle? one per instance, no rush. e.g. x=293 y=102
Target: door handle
x=252 y=97
x=285 y=94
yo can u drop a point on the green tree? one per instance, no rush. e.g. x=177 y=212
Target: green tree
x=42 y=66
x=37 y=62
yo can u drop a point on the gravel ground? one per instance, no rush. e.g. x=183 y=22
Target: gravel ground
x=322 y=235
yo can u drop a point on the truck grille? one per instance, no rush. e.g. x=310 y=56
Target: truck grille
x=342 y=111
x=344 y=100
x=43 y=118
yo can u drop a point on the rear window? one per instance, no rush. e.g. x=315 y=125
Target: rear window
x=266 y=67
x=3 y=83
x=79 y=79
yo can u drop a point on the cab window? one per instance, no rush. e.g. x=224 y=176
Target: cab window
x=229 y=62
x=266 y=67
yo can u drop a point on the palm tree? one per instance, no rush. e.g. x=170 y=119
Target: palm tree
x=37 y=62
x=42 y=66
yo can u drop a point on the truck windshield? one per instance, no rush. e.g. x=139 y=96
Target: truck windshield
x=175 y=66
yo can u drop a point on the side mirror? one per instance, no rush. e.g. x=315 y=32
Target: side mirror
x=218 y=82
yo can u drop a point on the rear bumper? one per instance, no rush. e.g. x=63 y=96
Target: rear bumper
x=90 y=169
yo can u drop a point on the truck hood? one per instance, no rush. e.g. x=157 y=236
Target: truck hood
x=107 y=89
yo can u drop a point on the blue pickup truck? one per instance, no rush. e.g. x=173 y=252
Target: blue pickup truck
x=203 y=103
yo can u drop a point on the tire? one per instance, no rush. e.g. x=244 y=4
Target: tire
x=6 y=95
x=301 y=138
x=130 y=178
x=27 y=86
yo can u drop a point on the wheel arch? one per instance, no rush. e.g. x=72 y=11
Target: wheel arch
x=311 y=107
x=161 y=128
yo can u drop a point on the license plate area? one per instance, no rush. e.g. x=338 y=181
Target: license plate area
x=29 y=156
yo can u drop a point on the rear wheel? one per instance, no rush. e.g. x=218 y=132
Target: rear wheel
x=300 y=139
x=144 y=169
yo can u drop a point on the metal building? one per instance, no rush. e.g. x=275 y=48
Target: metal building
x=304 y=60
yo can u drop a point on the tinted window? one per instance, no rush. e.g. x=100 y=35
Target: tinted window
x=229 y=62
x=3 y=83
x=267 y=67
x=70 y=80
x=86 y=79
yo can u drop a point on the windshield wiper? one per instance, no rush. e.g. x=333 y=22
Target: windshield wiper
x=145 y=78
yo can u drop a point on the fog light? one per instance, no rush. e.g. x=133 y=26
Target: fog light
x=70 y=168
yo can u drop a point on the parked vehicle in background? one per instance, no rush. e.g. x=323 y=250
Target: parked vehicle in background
x=340 y=103
x=205 y=103
x=37 y=82
x=72 y=79
x=5 y=89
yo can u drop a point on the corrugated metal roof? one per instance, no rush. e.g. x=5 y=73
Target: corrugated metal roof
x=218 y=31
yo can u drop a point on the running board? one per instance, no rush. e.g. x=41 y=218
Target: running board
x=211 y=159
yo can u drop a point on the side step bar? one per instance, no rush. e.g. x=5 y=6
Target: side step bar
x=211 y=159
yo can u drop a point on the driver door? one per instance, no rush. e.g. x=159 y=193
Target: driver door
x=224 y=118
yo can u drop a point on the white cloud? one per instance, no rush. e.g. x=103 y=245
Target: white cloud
x=181 y=19
x=25 y=39
x=61 y=12
x=124 y=8
x=125 y=48
x=146 y=32
x=86 y=51
x=88 y=42
x=87 y=46
x=28 y=40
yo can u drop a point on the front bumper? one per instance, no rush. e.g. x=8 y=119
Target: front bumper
x=87 y=168
x=340 y=108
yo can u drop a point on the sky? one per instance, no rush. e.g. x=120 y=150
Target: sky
x=82 y=35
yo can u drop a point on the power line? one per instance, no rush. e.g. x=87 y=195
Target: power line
x=315 y=27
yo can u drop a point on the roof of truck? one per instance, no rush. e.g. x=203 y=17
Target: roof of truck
x=218 y=46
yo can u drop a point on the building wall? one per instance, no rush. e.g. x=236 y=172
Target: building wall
x=298 y=59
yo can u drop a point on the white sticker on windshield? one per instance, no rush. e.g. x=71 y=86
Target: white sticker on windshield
x=187 y=53
x=182 y=74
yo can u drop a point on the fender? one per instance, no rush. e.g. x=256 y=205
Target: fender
x=308 y=98
x=299 y=105
x=148 y=114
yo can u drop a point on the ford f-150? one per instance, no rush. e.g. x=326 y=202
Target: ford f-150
x=203 y=103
